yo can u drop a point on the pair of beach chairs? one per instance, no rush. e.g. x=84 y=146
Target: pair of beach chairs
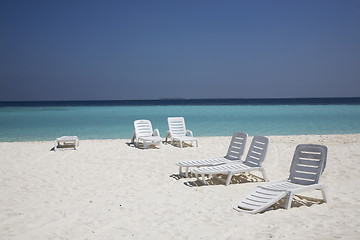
x=177 y=133
x=308 y=164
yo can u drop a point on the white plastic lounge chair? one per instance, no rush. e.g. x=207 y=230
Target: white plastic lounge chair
x=306 y=168
x=253 y=161
x=234 y=153
x=144 y=133
x=177 y=131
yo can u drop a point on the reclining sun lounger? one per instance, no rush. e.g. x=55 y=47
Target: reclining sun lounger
x=144 y=133
x=177 y=131
x=306 y=168
x=234 y=153
x=253 y=161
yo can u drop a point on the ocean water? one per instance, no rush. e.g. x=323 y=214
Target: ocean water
x=38 y=121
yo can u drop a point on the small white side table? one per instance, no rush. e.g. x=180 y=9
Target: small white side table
x=66 y=140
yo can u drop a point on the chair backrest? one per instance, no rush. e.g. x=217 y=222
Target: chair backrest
x=143 y=128
x=257 y=151
x=177 y=126
x=237 y=146
x=308 y=164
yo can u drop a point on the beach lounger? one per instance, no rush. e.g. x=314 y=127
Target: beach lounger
x=253 y=161
x=306 y=168
x=234 y=153
x=66 y=141
x=144 y=133
x=177 y=131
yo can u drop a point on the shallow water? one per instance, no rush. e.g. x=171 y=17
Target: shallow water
x=35 y=123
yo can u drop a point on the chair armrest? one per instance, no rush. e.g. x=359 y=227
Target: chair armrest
x=133 y=137
x=156 y=132
x=189 y=132
x=168 y=135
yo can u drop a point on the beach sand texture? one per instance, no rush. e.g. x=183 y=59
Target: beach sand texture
x=109 y=190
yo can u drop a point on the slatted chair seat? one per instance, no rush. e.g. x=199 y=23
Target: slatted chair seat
x=259 y=200
x=234 y=153
x=253 y=161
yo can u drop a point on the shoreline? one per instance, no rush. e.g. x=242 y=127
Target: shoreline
x=107 y=189
x=129 y=139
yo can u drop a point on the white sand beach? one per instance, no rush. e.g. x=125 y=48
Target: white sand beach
x=109 y=190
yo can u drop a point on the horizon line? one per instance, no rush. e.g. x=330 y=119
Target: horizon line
x=183 y=99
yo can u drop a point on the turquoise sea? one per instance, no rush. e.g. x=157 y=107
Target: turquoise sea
x=38 y=121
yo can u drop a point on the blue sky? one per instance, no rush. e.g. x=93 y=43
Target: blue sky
x=114 y=50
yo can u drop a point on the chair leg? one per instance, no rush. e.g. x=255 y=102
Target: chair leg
x=323 y=192
x=197 y=177
x=289 y=201
x=184 y=174
x=180 y=143
x=203 y=179
x=228 y=180
x=180 y=172
x=264 y=174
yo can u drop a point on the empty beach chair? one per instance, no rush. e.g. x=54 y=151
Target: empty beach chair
x=177 y=131
x=144 y=133
x=234 y=153
x=253 y=161
x=306 y=168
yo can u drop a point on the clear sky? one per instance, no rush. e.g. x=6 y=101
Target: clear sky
x=115 y=50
